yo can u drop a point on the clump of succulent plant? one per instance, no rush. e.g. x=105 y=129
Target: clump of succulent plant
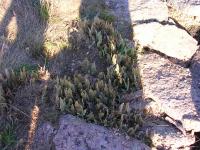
x=97 y=102
x=97 y=97
x=88 y=67
x=115 y=49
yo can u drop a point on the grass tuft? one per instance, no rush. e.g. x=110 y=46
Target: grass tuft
x=44 y=10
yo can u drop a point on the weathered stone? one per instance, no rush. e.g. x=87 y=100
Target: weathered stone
x=163 y=134
x=75 y=134
x=171 y=86
x=189 y=19
x=167 y=39
x=166 y=136
x=189 y=7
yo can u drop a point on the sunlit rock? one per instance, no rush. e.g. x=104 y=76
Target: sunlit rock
x=74 y=133
x=167 y=39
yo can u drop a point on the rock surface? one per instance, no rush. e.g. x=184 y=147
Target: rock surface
x=165 y=136
x=189 y=7
x=167 y=39
x=147 y=10
x=167 y=84
x=75 y=134
x=170 y=85
x=188 y=19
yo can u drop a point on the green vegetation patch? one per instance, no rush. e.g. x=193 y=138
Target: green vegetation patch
x=7 y=138
x=95 y=8
x=98 y=97
x=44 y=9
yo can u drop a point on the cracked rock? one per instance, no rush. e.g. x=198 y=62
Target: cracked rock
x=167 y=39
x=166 y=136
x=171 y=87
x=163 y=134
x=76 y=134
x=189 y=7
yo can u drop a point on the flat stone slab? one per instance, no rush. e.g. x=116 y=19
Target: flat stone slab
x=76 y=134
x=171 y=87
x=167 y=39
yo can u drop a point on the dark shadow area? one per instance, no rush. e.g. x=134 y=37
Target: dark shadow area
x=80 y=47
x=195 y=93
x=196 y=145
x=26 y=17
x=197 y=36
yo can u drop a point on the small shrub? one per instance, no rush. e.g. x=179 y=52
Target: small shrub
x=7 y=137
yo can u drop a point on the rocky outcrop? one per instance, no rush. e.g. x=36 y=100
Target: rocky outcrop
x=167 y=39
x=189 y=7
x=152 y=28
x=187 y=14
x=75 y=134
x=138 y=10
x=170 y=85
x=165 y=136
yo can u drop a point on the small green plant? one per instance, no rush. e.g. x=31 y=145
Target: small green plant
x=29 y=68
x=13 y=78
x=44 y=10
x=7 y=137
x=96 y=8
x=106 y=16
